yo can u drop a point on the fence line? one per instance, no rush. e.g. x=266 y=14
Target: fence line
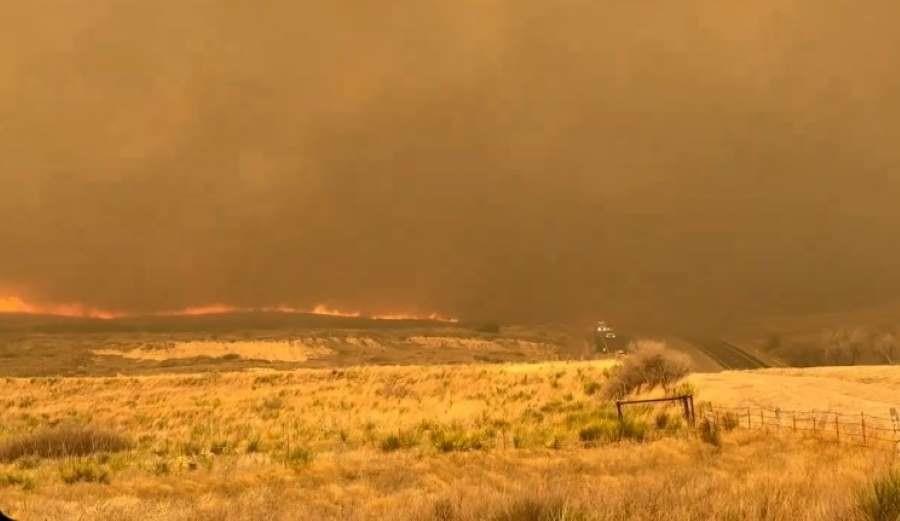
x=861 y=429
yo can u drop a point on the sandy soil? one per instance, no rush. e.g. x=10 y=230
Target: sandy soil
x=316 y=348
x=281 y=351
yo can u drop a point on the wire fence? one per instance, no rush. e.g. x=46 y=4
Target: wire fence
x=861 y=429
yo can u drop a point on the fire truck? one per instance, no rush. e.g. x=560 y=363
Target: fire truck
x=604 y=337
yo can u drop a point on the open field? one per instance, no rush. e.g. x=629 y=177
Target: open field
x=58 y=346
x=870 y=389
x=461 y=442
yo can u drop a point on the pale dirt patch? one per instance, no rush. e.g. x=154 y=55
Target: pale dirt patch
x=478 y=344
x=545 y=367
x=280 y=351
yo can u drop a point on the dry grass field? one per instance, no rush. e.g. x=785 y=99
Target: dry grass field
x=63 y=350
x=870 y=389
x=461 y=442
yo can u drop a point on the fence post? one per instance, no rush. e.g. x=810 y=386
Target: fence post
x=748 y=418
x=896 y=421
x=762 y=420
x=837 y=427
x=619 y=411
x=862 y=423
x=794 y=420
x=814 y=422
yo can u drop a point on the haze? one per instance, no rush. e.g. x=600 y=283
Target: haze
x=512 y=160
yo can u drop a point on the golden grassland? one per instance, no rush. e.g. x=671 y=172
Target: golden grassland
x=72 y=354
x=873 y=390
x=461 y=442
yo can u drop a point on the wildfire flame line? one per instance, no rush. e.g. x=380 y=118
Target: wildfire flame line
x=19 y=305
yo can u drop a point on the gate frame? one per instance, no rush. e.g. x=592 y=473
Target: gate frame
x=687 y=404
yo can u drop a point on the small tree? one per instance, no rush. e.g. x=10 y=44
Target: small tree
x=651 y=364
x=835 y=344
x=885 y=345
x=860 y=342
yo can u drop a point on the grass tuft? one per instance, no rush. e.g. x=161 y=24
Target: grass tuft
x=881 y=500
x=81 y=470
x=62 y=443
x=540 y=509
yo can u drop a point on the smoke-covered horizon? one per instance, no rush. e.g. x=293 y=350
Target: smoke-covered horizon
x=509 y=159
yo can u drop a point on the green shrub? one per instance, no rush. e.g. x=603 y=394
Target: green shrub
x=218 y=447
x=709 y=433
x=254 y=445
x=540 y=509
x=603 y=431
x=662 y=420
x=684 y=389
x=453 y=438
x=631 y=429
x=299 y=457
x=591 y=388
x=161 y=467
x=87 y=471
x=191 y=448
x=729 y=421
x=881 y=500
x=16 y=479
x=443 y=510
x=401 y=440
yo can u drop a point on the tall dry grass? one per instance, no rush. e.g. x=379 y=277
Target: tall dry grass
x=511 y=442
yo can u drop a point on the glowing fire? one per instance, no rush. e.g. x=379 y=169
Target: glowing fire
x=212 y=309
x=19 y=305
x=321 y=309
x=434 y=317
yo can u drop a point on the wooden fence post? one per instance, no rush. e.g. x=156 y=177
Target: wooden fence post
x=862 y=423
x=762 y=420
x=794 y=420
x=896 y=421
x=748 y=418
x=619 y=411
x=837 y=427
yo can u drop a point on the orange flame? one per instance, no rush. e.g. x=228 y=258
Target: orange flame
x=322 y=309
x=19 y=305
x=434 y=317
x=212 y=309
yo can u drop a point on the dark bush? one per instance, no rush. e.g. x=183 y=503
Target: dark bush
x=488 y=327
x=709 y=433
x=62 y=443
x=650 y=365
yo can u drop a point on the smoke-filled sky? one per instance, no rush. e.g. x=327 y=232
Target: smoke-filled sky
x=508 y=159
